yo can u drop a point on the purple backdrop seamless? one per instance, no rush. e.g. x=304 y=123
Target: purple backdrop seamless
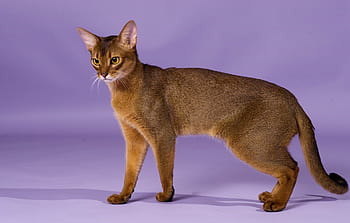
x=46 y=76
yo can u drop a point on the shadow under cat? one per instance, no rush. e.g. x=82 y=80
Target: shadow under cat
x=148 y=197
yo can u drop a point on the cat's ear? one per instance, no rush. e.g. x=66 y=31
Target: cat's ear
x=128 y=36
x=89 y=38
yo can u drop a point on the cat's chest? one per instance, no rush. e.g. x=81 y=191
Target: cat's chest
x=123 y=104
x=125 y=108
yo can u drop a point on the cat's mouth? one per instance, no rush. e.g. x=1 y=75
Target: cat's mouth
x=109 y=80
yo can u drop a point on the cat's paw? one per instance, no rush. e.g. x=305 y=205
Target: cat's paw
x=271 y=206
x=165 y=197
x=270 y=203
x=118 y=199
x=265 y=197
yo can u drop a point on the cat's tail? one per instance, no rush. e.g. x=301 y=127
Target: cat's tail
x=332 y=182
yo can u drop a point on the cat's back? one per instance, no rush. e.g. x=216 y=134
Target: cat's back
x=199 y=81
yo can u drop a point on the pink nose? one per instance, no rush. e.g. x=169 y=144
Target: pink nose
x=104 y=74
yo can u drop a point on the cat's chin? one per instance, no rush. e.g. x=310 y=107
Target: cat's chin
x=115 y=78
x=108 y=81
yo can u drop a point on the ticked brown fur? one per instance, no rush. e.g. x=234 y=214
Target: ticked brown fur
x=255 y=118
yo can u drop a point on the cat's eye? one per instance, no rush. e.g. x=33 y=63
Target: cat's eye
x=95 y=62
x=115 y=60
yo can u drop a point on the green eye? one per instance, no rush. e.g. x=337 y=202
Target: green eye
x=95 y=62
x=115 y=60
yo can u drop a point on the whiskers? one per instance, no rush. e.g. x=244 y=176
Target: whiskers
x=119 y=83
x=95 y=82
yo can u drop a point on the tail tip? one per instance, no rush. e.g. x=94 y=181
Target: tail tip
x=341 y=183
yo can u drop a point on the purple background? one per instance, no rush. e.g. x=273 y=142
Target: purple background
x=61 y=152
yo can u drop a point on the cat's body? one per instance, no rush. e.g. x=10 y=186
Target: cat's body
x=197 y=101
x=255 y=118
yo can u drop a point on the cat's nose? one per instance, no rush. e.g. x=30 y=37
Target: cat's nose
x=104 y=74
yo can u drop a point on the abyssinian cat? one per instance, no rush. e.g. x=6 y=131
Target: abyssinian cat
x=255 y=118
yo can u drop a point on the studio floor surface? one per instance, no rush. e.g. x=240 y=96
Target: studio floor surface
x=67 y=178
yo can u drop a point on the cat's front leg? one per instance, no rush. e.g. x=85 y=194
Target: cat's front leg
x=164 y=152
x=136 y=148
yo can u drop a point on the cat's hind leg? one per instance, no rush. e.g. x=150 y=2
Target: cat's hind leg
x=269 y=155
x=278 y=198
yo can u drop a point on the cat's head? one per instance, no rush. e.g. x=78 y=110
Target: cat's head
x=113 y=57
